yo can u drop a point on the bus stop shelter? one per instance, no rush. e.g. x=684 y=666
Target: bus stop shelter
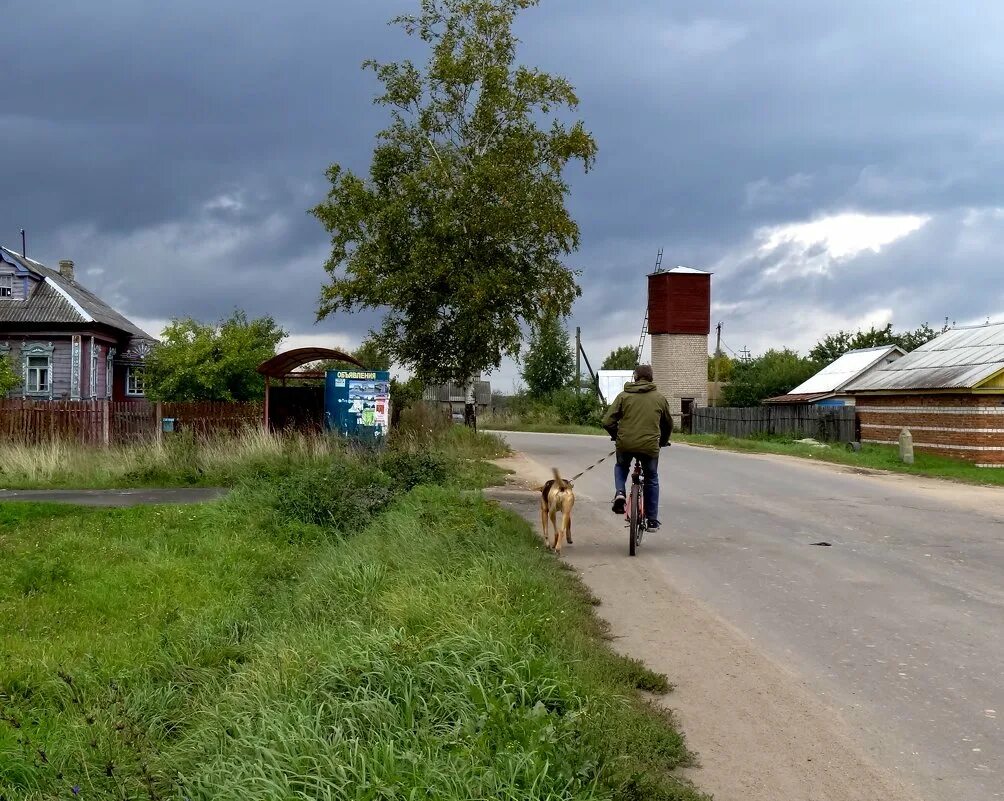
x=294 y=398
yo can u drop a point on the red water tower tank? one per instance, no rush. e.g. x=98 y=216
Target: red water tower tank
x=679 y=302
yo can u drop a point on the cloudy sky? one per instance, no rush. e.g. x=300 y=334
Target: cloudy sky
x=835 y=163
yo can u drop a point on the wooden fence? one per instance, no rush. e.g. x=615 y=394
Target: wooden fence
x=824 y=423
x=99 y=422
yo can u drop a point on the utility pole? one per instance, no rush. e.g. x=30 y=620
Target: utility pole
x=718 y=357
x=578 y=360
x=745 y=354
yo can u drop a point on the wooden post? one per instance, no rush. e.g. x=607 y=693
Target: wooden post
x=578 y=360
x=106 y=423
x=158 y=423
x=268 y=385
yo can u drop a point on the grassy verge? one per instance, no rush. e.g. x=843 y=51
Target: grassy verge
x=182 y=461
x=332 y=632
x=870 y=457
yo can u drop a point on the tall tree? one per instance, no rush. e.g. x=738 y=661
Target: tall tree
x=774 y=373
x=9 y=379
x=725 y=367
x=623 y=358
x=205 y=362
x=833 y=346
x=549 y=362
x=459 y=231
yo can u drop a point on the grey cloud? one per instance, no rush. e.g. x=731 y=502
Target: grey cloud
x=124 y=125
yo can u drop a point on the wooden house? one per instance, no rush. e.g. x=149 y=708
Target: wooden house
x=64 y=341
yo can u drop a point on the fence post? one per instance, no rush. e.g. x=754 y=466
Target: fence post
x=158 y=424
x=106 y=423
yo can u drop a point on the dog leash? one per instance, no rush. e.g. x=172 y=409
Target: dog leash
x=577 y=476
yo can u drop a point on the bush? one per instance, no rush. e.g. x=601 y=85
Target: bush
x=580 y=409
x=344 y=496
x=408 y=468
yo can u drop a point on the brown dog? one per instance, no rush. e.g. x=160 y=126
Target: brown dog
x=557 y=495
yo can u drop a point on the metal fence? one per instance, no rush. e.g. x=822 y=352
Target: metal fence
x=824 y=423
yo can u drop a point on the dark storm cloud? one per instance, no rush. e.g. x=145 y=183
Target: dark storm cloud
x=172 y=149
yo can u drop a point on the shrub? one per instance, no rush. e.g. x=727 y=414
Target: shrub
x=408 y=468
x=343 y=496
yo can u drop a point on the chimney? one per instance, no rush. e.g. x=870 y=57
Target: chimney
x=66 y=269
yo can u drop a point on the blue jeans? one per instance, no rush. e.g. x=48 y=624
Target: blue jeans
x=650 y=469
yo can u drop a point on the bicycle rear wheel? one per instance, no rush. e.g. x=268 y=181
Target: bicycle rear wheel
x=634 y=518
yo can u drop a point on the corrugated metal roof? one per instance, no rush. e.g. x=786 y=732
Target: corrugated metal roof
x=961 y=358
x=847 y=368
x=54 y=298
x=799 y=397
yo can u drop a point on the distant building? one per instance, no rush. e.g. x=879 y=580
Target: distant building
x=452 y=398
x=66 y=343
x=611 y=382
x=828 y=386
x=679 y=321
x=949 y=393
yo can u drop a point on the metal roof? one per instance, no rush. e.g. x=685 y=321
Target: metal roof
x=61 y=301
x=847 y=368
x=962 y=358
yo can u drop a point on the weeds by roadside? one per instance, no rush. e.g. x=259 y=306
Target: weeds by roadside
x=183 y=460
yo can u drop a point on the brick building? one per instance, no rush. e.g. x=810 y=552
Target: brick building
x=679 y=321
x=949 y=393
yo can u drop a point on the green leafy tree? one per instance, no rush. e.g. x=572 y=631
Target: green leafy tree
x=725 y=367
x=833 y=346
x=911 y=340
x=9 y=379
x=774 y=373
x=549 y=363
x=459 y=230
x=370 y=354
x=623 y=358
x=204 y=362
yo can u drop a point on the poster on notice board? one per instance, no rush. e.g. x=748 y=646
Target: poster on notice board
x=357 y=402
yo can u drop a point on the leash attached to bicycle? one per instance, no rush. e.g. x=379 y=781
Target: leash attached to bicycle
x=577 y=476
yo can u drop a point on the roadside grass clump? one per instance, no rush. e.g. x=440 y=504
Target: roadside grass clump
x=180 y=459
x=426 y=646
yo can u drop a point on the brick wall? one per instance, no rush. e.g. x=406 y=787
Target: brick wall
x=680 y=366
x=962 y=426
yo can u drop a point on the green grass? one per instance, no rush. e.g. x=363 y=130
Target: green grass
x=871 y=457
x=326 y=633
x=182 y=461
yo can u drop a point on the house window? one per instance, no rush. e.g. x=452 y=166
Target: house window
x=39 y=369
x=6 y=286
x=135 y=382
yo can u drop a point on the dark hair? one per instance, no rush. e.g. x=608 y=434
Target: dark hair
x=643 y=372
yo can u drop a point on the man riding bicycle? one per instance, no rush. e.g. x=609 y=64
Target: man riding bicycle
x=640 y=422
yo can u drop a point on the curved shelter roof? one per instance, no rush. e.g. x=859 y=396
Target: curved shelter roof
x=283 y=364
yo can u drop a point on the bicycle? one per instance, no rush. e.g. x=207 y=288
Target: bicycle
x=635 y=512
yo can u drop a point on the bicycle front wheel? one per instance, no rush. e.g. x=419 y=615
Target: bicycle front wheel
x=635 y=519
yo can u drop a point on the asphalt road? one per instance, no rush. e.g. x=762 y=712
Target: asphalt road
x=116 y=497
x=898 y=625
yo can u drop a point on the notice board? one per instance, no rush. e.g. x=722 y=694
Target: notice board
x=357 y=403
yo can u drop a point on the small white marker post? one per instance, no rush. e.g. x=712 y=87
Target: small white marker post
x=906 y=446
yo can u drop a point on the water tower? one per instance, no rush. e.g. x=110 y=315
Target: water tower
x=679 y=321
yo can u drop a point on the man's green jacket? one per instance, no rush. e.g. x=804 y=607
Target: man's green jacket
x=639 y=419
